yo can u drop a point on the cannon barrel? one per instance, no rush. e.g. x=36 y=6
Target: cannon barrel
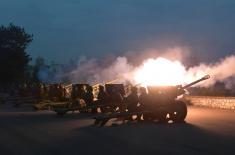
x=107 y=82
x=197 y=81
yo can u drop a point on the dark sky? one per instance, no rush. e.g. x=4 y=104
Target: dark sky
x=65 y=29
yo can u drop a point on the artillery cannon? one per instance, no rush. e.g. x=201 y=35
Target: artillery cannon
x=77 y=102
x=161 y=104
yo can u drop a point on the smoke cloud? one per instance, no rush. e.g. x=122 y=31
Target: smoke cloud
x=121 y=69
x=222 y=71
x=173 y=53
x=91 y=71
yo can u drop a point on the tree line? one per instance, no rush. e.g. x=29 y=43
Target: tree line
x=15 y=63
x=13 y=57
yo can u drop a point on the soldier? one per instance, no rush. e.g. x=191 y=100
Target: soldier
x=88 y=97
x=64 y=93
x=75 y=96
x=60 y=92
x=51 y=92
x=149 y=104
x=102 y=98
x=42 y=91
x=74 y=92
x=143 y=98
x=116 y=99
x=46 y=90
x=132 y=102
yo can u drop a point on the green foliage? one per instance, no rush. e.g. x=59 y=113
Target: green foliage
x=13 y=58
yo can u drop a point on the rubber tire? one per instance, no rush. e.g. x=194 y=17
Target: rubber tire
x=181 y=112
x=103 y=122
x=60 y=114
x=162 y=116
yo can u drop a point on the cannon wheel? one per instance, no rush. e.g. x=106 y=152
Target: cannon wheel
x=179 y=112
x=61 y=113
x=160 y=115
x=163 y=117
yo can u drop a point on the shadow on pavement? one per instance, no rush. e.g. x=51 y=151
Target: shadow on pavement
x=151 y=138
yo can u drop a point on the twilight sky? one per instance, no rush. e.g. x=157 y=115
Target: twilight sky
x=65 y=29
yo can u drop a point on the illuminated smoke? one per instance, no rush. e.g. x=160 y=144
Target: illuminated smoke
x=160 y=72
x=90 y=71
x=162 y=69
x=222 y=71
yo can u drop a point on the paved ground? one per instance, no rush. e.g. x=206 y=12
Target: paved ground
x=207 y=131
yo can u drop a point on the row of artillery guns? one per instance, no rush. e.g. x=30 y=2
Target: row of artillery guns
x=71 y=97
x=162 y=103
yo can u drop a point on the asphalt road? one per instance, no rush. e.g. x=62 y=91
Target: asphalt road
x=206 y=131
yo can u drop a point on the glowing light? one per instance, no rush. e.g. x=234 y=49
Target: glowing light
x=160 y=72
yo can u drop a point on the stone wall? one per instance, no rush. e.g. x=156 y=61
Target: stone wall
x=212 y=102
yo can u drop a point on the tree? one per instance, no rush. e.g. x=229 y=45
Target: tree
x=13 y=57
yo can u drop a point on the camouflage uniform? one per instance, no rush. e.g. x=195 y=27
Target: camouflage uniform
x=102 y=98
x=143 y=98
x=88 y=96
x=117 y=101
x=133 y=102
